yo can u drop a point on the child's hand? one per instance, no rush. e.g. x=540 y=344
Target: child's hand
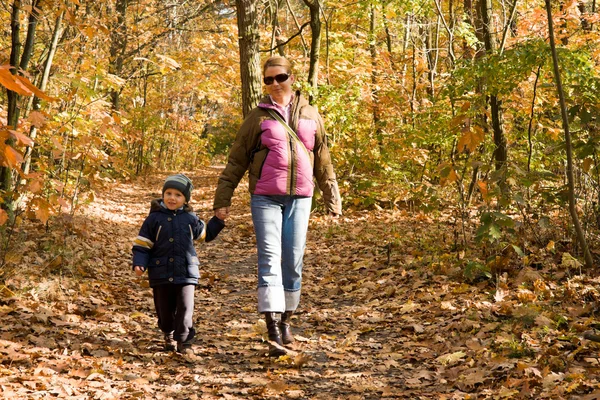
x=222 y=213
x=139 y=270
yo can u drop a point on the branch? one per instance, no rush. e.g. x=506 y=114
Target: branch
x=287 y=41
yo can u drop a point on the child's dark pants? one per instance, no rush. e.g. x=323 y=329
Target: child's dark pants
x=175 y=308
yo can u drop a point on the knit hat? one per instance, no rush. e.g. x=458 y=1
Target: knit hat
x=181 y=183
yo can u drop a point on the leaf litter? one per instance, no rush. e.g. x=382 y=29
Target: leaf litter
x=384 y=314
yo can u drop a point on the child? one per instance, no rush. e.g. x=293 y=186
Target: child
x=165 y=247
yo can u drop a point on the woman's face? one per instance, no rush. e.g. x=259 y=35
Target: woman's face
x=278 y=90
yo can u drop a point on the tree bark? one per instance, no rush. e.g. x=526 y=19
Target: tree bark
x=500 y=153
x=249 y=60
x=374 y=78
x=569 y=149
x=315 y=44
x=12 y=117
x=44 y=82
x=118 y=46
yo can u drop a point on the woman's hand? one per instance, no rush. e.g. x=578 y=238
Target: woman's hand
x=222 y=213
x=139 y=270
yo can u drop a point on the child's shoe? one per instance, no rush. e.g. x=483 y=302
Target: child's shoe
x=185 y=348
x=170 y=343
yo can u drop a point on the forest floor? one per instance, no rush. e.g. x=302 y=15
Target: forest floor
x=385 y=314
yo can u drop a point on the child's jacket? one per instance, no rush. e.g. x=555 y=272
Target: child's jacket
x=165 y=244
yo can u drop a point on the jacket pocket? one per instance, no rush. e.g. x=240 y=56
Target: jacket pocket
x=158 y=268
x=192 y=270
x=257 y=164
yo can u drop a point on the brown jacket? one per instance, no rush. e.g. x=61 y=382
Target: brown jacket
x=263 y=159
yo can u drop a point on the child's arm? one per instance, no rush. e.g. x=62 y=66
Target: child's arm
x=208 y=232
x=215 y=225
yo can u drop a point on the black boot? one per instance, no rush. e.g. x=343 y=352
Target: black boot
x=276 y=348
x=287 y=336
x=170 y=343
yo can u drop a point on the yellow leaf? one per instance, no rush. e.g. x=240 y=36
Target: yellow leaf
x=137 y=314
x=452 y=358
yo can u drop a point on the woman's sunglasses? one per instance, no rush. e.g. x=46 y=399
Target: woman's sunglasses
x=280 y=78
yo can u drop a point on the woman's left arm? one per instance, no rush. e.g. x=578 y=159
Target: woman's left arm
x=324 y=173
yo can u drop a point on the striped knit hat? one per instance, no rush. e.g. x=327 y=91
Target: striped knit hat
x=181 y=183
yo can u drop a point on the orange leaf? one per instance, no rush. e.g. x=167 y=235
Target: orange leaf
x=483 y=189
x=35 y=186
x=42 y=211
x=3 y=217
x=470 y=140
x=11 y=157
x=26 y=83
x=37 y=119
x=8 y=81
x=21 y=138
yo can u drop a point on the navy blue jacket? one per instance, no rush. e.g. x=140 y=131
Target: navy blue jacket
x=165 y=244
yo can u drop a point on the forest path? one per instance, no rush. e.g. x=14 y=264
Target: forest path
x=368 y=326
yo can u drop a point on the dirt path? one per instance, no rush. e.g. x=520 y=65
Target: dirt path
x=230 y=360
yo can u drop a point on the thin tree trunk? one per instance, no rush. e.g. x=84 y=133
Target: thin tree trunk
x=118 y=47
x=500 y=153
x=374 y=78
x=327 y=27
x=304 y=45
x=44 y=82
x=249 y=60
x=565 y=122
x=315 y=43
x=12 y=118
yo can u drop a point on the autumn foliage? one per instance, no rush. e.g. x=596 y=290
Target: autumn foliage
x=444 y=122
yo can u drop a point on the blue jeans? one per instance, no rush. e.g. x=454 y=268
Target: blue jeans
x=280 y=224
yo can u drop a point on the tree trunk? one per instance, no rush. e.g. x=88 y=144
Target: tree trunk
x=565 y=122
x=249 y=60
x=315 y=44
x=118 y=45
x=12 y=117
x=500 y=153
x=375 y=79
x=44 y=82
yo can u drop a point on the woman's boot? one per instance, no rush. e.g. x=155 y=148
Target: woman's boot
x=286 y=331
x=276 y=348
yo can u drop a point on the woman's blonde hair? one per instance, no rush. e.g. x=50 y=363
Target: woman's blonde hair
x=278 y=61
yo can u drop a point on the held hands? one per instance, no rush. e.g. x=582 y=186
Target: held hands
x=222 y=213
x=139 y=270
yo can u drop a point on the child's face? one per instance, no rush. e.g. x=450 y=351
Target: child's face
x=173 y=199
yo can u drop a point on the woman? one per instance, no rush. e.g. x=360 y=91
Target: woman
x=281 y=165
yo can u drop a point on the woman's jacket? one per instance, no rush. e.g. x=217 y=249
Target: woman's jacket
x=276 y=163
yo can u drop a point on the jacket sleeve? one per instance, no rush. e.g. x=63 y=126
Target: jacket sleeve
x=142 y=244
x=208 y=232
x=323 y=171
x=238 y=161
